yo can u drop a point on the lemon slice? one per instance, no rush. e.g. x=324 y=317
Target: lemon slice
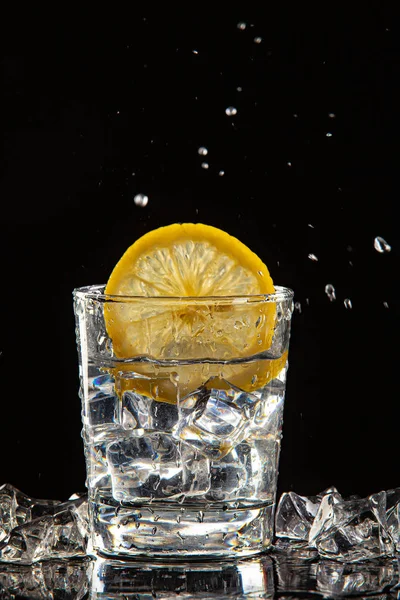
x=178 y=267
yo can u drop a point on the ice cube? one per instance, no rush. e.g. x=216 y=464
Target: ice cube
x=231 y=474
x=60 y=535
x=16 y=508
x=268 y=416
x=97 y=473
x=196 y=477
x=335 y=579
x=215 y=418
x=295 y=514
x=393 y=515
x=140 y=413
x=145 y=467
x=352 y=530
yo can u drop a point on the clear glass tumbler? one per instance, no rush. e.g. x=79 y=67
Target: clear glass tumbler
x=182 y=441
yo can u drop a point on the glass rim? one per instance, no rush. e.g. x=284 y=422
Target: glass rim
x=94 y=292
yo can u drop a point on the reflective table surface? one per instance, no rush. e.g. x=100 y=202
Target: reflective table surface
x=272 y=575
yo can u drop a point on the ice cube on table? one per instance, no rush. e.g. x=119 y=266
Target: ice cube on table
x=215 y=418
x=393 y=515
x=16 y=508
x=295 y=515
x=352 y=530
x=58 y=535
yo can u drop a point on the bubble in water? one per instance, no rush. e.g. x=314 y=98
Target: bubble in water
x=141 y=200
x=203 y=151
x=329 y=134
x=204 y=165
x=297 y=306
x=242 y=25
x=231 y=111
x=381 y=245
x=313 y=257
x=386 y=305
x=347 y=303
x=331 y=115
x=330 y=292
x=221 y=173
x=258 y=40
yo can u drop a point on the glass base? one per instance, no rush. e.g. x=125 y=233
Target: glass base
x=251 y=578
x=181 y=531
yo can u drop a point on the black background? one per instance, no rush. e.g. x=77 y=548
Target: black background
x=97 y=110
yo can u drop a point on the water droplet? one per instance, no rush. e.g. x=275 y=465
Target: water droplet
x=178 y=519
x=329 y=134
x=295 y=115
x=330 y=292
x=154 y=530
x=309 y=225
x=297 y=306
x=386 y=305
x=313 y=257
x=156 y=517
x=347 y=303
x=258 y=40
x=141 y=200
x=174 y=378
x=231 y=111
x=203 y=151
x=308 y=301
x=200 y=516
x=204 y=165
x=242 y=25
x=331 y=115
x=239 y=89
x=180 y=536
x=195 y=51
x=381 y=245
x=289 y=164
x=221 y=173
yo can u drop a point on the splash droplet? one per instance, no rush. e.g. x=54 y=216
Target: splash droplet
x=289 y=164
x=297 y=307
x=331 y=115
x=204 y=165
x=195 y=51
x=239 y=89
x=231 y=111
x=386 y=305
x=221 y=173
x=203 y=151
x=330 y=292
x=154 y=530
x=141 y=200
x=347 y=302
x=242 y=25
x=258 y=40
x=313 y=257
x=381 y=245
x=329 y=134
x=312 y=226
